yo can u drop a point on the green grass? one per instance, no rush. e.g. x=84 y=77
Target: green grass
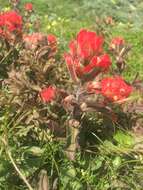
x=135 y=58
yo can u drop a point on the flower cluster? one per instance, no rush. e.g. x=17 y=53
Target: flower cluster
x=86 y=60
x=115 y=88
x=10 y=23
x=39 y=40
x=32 y=40
x=86 y=55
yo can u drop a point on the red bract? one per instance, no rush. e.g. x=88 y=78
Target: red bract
x=10 y=22
x=73 y=68
x=116 y=42
x=52 y=39
x=28 y=6
x=88 y=44
x=100 y=63
x=85 y=55
x=115 y=88
x=48 y=94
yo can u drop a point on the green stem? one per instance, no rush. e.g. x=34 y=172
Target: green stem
x=16 y=168
x=8 y=53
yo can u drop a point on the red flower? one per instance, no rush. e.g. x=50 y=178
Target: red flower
x=85 y=55
x=101 y=63
x=88 y=44
x=116 y=42
x=73 y=48
x=104 y=62
x=28 y=7
x=48 y=94
x=115 y=88
x=52 y=39
x=10 y=22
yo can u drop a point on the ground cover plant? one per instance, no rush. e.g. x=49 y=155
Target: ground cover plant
x=70 y=99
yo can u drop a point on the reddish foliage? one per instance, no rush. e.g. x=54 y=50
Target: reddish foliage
x=94 y=87
x=31 y=40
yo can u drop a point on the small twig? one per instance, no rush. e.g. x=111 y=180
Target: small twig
x=135 y=78
x=16 y=168
x=8 y=53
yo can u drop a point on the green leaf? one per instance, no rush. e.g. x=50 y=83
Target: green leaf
x=76 y=185
x=124 y=139
x=35 y=151
x=71 y=172
x=117 y=162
